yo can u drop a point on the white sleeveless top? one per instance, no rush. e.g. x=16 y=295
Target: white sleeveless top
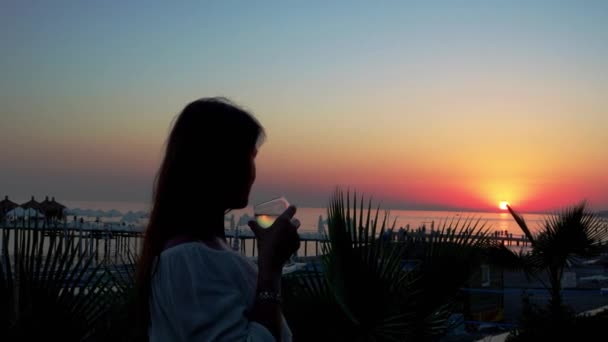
x=200 y=293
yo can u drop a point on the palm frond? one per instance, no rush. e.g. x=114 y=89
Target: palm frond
x=522 y=224
x=49 y=285
x=378 y=289
x=564 y=236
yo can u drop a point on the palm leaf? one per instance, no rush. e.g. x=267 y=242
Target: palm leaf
x=365 y=290
x=48 y=285
x=563 y=237
x=522 y=224
x=446 y=261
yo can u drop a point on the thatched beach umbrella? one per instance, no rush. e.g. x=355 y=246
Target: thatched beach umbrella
x=6 y=205
x=52 y=209
x=45 y=205
x=31 y=208
x=58 y=208
x=31 y=204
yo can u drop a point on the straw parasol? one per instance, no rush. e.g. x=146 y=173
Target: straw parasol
x=45 y=205
x=52 y=209
x=31 y=204
x=6 y=205
x=58 y=208
x=30 y=207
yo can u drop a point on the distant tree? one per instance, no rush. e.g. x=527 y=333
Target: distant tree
x=573 y=232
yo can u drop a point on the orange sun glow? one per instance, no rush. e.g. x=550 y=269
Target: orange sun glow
x=503 y=205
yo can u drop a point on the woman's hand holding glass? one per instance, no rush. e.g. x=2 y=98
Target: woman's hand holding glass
x=278 y=238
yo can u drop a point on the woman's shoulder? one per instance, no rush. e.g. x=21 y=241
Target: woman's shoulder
x=210 y=256
x=196 y=261
x=195 y=250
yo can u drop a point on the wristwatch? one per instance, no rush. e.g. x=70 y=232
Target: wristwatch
x=268 y=296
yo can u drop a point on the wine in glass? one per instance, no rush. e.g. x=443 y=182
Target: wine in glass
x=267 y=212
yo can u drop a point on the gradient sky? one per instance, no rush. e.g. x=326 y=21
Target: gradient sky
x=455 y=104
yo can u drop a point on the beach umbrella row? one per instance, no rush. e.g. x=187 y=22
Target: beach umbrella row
x=47 y=208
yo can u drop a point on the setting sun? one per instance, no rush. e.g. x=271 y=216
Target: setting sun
x=503 y=205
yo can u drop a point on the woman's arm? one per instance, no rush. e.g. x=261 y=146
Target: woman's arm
x=276 y=244
x=266 y=310
x=196 y=298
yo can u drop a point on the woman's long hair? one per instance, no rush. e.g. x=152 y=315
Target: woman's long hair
x=206 y=163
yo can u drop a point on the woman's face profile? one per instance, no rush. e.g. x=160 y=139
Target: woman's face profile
x=252 y=174
x=243 y=185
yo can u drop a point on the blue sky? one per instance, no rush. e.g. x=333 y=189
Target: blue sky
x=89 y=89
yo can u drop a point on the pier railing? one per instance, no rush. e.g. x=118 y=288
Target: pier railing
x=114 y=241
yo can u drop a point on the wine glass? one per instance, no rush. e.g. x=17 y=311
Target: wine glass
x=267 y=212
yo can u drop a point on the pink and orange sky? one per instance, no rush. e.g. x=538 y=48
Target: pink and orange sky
x=423 y=106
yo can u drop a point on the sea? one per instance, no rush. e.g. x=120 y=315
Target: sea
x=105 y=216
x=310 y=217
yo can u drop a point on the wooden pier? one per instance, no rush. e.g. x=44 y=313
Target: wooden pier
x=116 y=242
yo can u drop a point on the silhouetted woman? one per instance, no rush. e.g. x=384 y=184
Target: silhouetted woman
x=191 y=285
